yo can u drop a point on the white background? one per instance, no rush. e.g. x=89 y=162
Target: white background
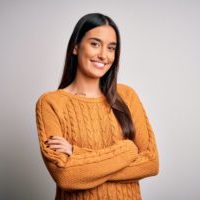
x=160 y=60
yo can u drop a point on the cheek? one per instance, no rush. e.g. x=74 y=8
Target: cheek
x=83 y=56
x=88 y=52
x=112 y=58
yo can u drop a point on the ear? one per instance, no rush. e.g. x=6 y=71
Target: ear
x=75 y=50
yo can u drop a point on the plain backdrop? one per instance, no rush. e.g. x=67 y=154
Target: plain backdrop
x=159 y=59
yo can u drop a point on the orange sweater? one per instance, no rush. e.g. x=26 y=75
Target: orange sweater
x=103 y=164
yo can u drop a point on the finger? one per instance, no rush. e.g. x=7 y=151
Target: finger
x=54 y=137
x=64 y=141
x=55 y=146
x=60 y=150
x=63 y=151
x=50 y=141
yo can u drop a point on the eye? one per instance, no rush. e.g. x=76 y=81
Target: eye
x=112 y=48
x=95 y=44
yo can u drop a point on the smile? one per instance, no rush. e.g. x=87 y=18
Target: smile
x=98 y=64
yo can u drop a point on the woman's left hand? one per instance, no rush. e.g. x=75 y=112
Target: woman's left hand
x=59 y=144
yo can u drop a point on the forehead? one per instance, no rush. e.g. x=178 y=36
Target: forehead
x=105 y=33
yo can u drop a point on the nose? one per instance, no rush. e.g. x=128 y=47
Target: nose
x=102 y=53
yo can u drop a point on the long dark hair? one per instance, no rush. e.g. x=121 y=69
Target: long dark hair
x=108 y=82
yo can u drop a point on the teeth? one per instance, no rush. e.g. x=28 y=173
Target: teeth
x=98 y=64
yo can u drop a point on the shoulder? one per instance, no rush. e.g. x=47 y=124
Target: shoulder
x=126 y=90
x=128 y=94
x=48 y=97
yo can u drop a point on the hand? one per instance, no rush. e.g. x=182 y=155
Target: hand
x=59 y=144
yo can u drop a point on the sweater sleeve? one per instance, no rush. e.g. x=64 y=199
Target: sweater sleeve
x=147 y=162
x=85 y=168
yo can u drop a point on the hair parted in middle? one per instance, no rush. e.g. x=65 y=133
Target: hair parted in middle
x=108 y=82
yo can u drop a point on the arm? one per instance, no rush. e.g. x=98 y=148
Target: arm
x=85 y=168
x=147 y=163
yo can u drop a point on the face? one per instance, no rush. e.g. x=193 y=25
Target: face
x=96 y=51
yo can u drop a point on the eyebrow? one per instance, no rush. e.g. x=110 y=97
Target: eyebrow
x=99 y=40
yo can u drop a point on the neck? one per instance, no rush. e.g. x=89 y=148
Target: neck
x=89 y=87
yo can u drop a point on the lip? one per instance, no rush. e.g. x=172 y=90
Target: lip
x=98 y=63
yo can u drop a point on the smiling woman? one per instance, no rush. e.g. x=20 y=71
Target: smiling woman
x=96 y=51
x=94 y=134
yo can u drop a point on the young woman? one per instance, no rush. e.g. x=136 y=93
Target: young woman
x=95 y=138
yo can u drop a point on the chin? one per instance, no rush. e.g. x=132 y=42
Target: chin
x=95 y=75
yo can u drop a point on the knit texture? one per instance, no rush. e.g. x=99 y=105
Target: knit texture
x=104 y=165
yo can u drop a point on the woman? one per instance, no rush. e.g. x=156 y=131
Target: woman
x=94 y=134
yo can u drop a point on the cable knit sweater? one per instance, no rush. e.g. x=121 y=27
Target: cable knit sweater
x=104 y=165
